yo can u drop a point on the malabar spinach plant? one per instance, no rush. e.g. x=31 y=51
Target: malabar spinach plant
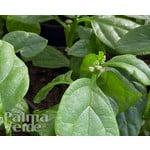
x=107 y=90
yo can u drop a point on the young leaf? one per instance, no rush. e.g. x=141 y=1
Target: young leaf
x=92 y=64
x=119 y=88
x=47 y=128
x=136 y=67
x=85 y=110
x=29 y=44
x=61 y=79
x=109 y=29
x=50 y=57
x=136 y=42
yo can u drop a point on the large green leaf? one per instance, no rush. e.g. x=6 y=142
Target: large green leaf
x=47 y=128
x=6 y=59
x=85 y=110
x=119 y=88
x=109 y=29
x=27 y=23
x=50 y=58
x=136 y=42
x=14 y=86
x=61 y=79
x=135 y=67
x=130 y=121
x=29 y=44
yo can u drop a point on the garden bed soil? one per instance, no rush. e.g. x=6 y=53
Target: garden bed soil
x=39 y=77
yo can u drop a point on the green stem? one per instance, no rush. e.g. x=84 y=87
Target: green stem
x=70 y=32
x=61 y=22
x=83 y=19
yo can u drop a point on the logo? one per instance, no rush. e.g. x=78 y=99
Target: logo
x=24 y=122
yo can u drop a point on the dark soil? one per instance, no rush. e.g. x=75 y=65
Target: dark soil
x=39 y=77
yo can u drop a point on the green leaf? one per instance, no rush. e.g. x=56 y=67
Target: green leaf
x=84 y=32
x=61 y=79
x=85 y=110
x=80 y=48
x=119 y=88
x=50 y=57
x=136 y=42
x=14 y=86
x=41 y=18
x=135 y=67
x=130 y=121
x=109 y=29
x=29 y=44
x=89 y=60
x=75 y=63
x=27 y=23
x=113 y=105
x=47 y=128
x=6 y=59
x=91 y=64
x=142 y=17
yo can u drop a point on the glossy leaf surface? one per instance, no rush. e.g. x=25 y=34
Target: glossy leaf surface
x=29 y=44
x=85 y=110
x=134 y=66
x=109 y=29
x=136 y=42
